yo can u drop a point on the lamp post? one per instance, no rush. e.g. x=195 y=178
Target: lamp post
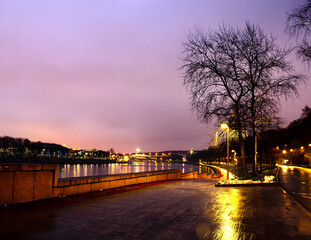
x=225 y=126
x=236 y=163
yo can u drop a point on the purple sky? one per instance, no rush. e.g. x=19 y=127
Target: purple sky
x=102 y=74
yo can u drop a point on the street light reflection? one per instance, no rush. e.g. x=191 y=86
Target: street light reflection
x=285 y=168
x=230 y=218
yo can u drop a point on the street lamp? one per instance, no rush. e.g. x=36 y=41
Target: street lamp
x=225 y=126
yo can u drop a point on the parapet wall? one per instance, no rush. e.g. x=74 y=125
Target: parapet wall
x=27 y=182
x=92 y=184
x=21 y=183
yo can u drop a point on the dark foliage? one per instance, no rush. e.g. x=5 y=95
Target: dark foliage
x=23 y=148
x=297 y=134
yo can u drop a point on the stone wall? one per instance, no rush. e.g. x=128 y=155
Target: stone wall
x=92 y=184
x=21 y=183
x=27 y=182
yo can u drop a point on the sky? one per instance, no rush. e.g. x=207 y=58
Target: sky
x=106 y=74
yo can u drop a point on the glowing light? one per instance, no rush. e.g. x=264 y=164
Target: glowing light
x=232 y=201
x=224 y=126
x=284 y=151
x=284 y=168
x=291 y=150
x=224 y=173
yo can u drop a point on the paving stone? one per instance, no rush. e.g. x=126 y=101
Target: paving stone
x=188 y=209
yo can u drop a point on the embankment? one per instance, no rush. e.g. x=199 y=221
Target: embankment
x=20 y=183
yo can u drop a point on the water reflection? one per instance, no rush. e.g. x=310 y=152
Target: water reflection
x=83 y=170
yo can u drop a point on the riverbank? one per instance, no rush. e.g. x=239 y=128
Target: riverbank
x=37 y=160
x=20 y=183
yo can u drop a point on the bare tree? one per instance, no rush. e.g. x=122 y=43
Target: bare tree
x=299 y=25
x=214 y=78
x=268 y=76
x=239 y=75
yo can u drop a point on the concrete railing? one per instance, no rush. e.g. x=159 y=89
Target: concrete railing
x=21 y=183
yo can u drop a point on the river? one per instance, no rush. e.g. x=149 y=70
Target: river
x=87 y=170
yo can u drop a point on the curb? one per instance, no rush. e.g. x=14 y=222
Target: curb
x=248 y=185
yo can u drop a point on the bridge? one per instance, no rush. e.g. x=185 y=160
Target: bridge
x=154 y=156
x=147 y=156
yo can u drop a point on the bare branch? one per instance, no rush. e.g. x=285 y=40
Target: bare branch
x=299 y=25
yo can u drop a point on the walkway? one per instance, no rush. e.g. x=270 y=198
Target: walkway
x=189 y=209
x=297 y=182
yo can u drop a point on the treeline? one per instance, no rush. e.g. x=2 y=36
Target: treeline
x=291 y=142
x=295 y=135
x=24 y=148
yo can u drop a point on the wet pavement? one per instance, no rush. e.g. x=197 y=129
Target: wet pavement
x=297 y=182
x=188 y=209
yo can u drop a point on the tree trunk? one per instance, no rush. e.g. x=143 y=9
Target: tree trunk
x=255 y=163
x=254 y=125
x=241 y=142
x=260 y=162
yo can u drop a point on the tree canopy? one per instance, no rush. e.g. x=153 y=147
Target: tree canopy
x=237 y=75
